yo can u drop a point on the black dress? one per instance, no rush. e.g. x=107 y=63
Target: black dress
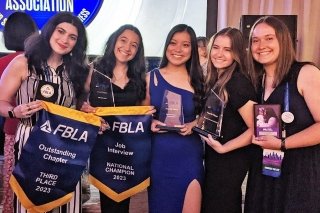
x=122 y=97
x=298 y=187
x=224 y=173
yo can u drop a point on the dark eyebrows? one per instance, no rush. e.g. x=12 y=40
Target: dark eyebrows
x=123 y=36
x=61 y=28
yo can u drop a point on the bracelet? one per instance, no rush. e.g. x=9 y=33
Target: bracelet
x=283 y=145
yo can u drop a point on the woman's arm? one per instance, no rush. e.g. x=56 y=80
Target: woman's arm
x=85 y=106
x=246 y=112
x=309 y=87
x=146 y=101
x=10 y=82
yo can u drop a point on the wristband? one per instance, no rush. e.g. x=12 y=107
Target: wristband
x=283 y=145
x=11 y=113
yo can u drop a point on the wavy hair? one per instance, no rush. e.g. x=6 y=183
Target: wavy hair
x=219 y=81
x=192 y=65
x=286 y=53
x=38 y=50
x=136 y=67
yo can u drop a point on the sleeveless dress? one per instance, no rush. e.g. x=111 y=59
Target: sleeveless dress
x=298 y=187
x=25 y=94
x=122 y=97
x=224 y=173
x=176 y=160
x=9 y=129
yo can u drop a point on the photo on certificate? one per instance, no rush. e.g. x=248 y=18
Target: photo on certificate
x=171 y=111
x=267 y=119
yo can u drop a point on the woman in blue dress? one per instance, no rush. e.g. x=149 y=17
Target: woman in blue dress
x=177 y=157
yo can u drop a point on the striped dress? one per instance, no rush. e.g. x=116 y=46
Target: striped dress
x=66 y=97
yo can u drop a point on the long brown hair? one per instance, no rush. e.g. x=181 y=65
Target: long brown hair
x=286 y=53
x=238 y=52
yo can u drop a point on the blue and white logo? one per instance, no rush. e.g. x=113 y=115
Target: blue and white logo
x=42 y=10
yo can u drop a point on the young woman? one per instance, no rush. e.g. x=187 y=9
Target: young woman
x=227 y=158
x=280 y=79
x=56 y=56
x=176 y=164
x=123 y=61
x=18 y=27
x=203 y=53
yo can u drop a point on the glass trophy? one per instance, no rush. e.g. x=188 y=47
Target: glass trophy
x=171 y=112
x=101 y=93
x=210 y=120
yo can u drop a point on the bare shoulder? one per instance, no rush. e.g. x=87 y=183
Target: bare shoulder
x=18 y=66
x=148 y=76
x=309 y=78
x=20 y=60
x=309 y=71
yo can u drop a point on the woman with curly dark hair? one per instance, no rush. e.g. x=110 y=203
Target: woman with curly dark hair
x=123 y=62
x=56 y=57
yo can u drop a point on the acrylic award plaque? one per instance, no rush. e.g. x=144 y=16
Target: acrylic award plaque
x=101 y=93
x=267 y=120
x=171 y=112
x=210 y=120
x=46 y=91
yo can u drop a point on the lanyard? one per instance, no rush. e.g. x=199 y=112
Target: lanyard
x=286 y=99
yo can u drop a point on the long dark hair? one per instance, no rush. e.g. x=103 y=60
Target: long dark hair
x=38 y=50
x=18 y=27
x=192 y=65
x=136 y=67
x=286 y=53
x=238 y=53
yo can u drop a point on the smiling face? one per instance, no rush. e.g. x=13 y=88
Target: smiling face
x=265 y=45
x=126 y=46
x=63 y=38
x=221 y=52
x=179 y=49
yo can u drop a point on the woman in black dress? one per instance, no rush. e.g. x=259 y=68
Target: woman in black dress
x=280 y=79
x=227 y=158
x=123 y=62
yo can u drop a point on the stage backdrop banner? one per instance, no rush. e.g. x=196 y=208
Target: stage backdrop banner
x=120 y=160
x=54 y=157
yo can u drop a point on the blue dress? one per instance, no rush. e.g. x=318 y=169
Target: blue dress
x=176 y=160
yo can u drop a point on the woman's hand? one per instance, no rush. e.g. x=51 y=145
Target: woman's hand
x=186 y=129
x=86 y=107
x=214 y=144
x=267 y=142
x=151 y=111
x=154 y=127
x=103 y=127
x=27 y=110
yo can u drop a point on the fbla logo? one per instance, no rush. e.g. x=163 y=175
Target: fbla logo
x=65 y=131
x=46 y=127
x=42 y=10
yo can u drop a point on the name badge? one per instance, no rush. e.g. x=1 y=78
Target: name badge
x=271 y=162
x=287 y=117
x=47 y=91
